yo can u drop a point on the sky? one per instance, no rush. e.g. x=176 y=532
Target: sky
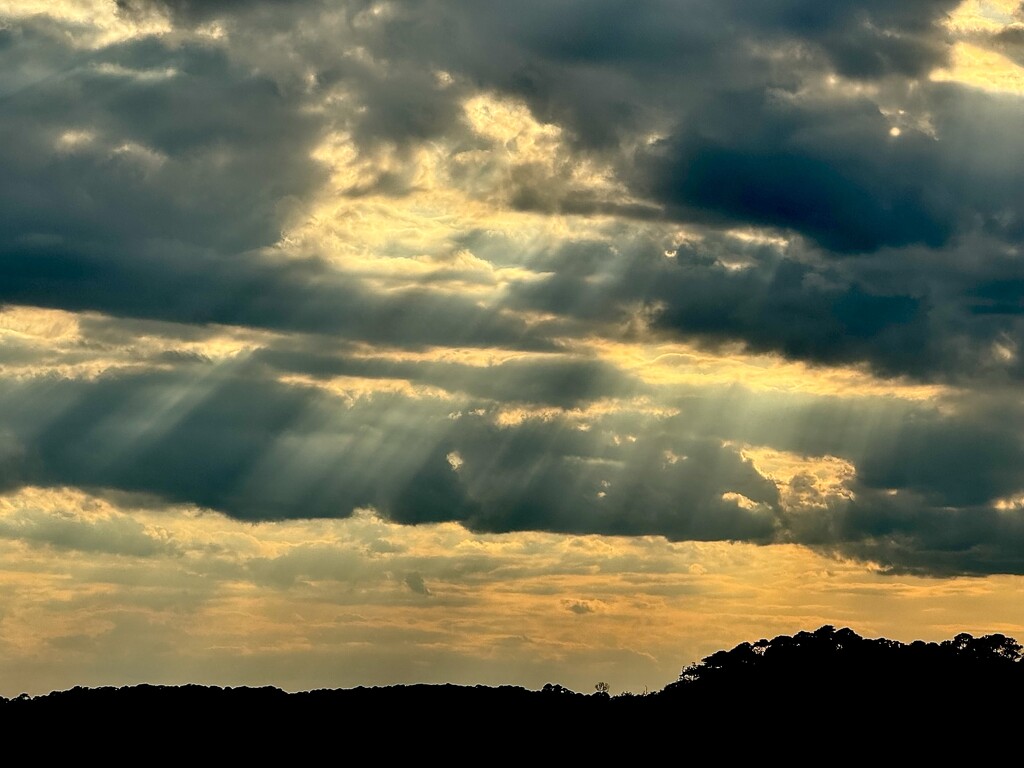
x=362 y=343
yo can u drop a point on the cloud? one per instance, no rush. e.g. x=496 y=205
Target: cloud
x=553 y=380
x=904 y=533
x=82 y=533
x=579 y=607
x=307 y=563
x=311 y=311
x=414 y=582
x=846 y=204
x=596 y=66
x=545 y=477
x=303 y=255
x=144 y=143
x=935 y=316
x=225 y=436
x=156 y=187
x=197 y=203
x=745 y=136
x=256 y=449
x=201 y=11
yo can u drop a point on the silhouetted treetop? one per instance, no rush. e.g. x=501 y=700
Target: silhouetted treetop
x=829 y=682
x=828 y=659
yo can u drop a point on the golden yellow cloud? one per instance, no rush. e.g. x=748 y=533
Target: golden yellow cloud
x=982 y=16
x=92 y=23
x=982 y=68
x=668 y=363
x=85 y=345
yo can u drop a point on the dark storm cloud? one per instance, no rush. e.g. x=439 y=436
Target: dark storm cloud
x=930 y=315
x=172 y=234
x=228 y=440
x=178 y=148
x=952 y=464
x=833 y=172
x=753 y=135
x=223 y=437
x=113 y=433
x=600 y=67
x=546 y=477
x=877 y=197
x=556 y=381
x=723 y=78
x=740 y=149
x=142 y=179
x=802 y=309
x=928 y=484
x=178 y=284
x=904 y=534
x=964 y=459
x=716 y=75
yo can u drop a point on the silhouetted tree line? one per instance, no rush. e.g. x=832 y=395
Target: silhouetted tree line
x=810 y=663
x=825 y=682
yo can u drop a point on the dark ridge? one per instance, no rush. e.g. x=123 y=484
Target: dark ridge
x=832 y=683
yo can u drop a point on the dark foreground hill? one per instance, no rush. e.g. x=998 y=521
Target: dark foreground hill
x=830 y=685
